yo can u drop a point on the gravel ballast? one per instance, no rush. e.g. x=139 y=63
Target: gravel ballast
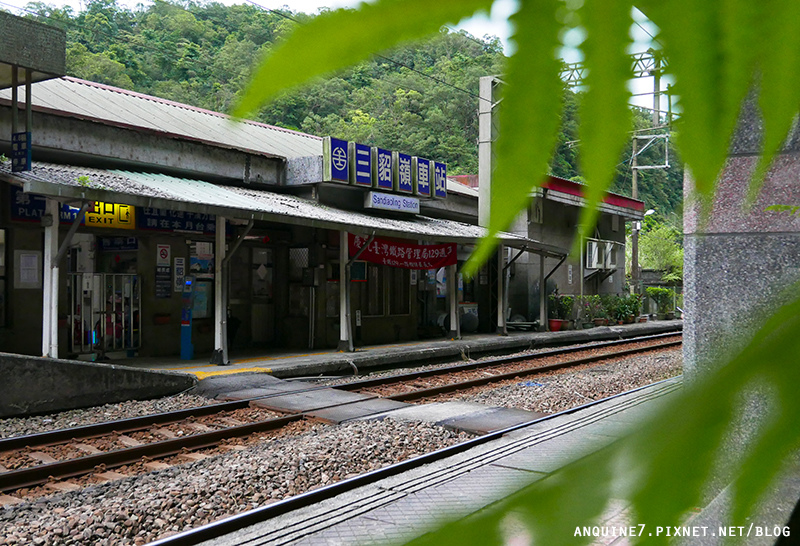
x=140 y=509
x=99 y=414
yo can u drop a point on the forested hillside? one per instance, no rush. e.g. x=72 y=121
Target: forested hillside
x=421 y=99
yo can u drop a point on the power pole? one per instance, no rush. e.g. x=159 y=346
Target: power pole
x=635 y=232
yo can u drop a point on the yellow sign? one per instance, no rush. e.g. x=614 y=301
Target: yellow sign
x=111 y=215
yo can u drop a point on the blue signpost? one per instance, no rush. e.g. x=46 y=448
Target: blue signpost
x=187 y=349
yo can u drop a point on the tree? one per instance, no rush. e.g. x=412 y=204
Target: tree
x=717 y=52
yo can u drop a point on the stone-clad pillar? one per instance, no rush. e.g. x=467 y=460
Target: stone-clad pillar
x=738 y=262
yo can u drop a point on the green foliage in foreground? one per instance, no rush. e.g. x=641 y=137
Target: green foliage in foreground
x=717 y=52
x=664 y=466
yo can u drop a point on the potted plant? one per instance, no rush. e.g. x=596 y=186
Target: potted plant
x=591 y=311
x=560 y=311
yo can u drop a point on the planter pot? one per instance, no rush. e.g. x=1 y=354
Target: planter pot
x=671 y=316
x=661 y=316
x=554 y=324
x=642 y=319
x=629 y=319
x=599 y=322
x=587 y=325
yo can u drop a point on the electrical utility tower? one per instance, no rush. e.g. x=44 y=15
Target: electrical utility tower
x=649 y=64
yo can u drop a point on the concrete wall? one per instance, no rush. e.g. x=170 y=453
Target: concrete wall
x=739 y=261
x=558 y=228
x=42 y=385
x=32 y=45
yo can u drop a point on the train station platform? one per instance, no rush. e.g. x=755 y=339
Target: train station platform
x=285 y=363
x=393 y=507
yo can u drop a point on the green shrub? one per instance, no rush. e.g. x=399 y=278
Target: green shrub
x=663 y=298
x=560 y=306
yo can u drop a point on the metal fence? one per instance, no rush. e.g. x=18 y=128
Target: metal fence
x=104 y=312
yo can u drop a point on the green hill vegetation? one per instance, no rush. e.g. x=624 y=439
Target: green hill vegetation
x=421 y=99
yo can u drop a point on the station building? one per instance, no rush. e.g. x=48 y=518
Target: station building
x=135 y=225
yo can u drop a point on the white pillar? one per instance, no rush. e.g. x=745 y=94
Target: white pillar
x=220 y=309
x=344 y=315
x=50 y=281
x=452 y=298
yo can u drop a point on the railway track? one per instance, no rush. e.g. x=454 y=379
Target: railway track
x=70 y=453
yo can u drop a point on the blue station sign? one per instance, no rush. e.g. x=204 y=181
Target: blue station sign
x=382 y=169
x=439 y=180
x=421 y=168
x=385 y=170
x=402 y=168
x=361 y=165
x=335 y=160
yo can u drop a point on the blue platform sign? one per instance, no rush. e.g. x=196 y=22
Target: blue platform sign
x=361 y=169
x=422 y=176
x=402 y=166
x=439 y=180
x=335 y=164
x=20 y=152
x=383 y=168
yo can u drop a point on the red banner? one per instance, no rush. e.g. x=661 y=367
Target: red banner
x=407 y=255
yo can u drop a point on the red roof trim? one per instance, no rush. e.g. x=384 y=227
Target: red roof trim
x=575 y=188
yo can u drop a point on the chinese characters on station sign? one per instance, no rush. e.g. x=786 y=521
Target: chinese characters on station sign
x=422 y=176
x=335 y=164
x=177 y=220
x=382 y=165
x=361 y=164
x=440 y=180
x=25 y=206
x=402 y=167
x=20 y=152
x=402 y=254
x=111 y=215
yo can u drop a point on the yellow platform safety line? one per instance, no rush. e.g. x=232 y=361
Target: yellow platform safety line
x=260 y=358
x=203 y=375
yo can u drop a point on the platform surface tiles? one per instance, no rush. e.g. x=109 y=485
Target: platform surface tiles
x=410 y=504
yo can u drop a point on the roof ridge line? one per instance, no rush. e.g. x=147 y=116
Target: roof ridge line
x=183 y=106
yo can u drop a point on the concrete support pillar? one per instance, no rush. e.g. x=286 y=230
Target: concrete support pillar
x=501 y=290
x=345 y=342
x=220 y=356
x=542 y=296
x=50 y=280
x=452 y=300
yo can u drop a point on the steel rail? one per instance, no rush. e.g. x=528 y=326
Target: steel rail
x=462 y=385
x=498 y=361
x=147 y=421
x=37 y=475
x=237 y=522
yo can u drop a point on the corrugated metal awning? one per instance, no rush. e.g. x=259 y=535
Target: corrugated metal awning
x=77 y=184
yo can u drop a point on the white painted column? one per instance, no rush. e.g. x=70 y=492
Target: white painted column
x=220 y=309
x=452 y=298
x=344 y=315
x=50 y=281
